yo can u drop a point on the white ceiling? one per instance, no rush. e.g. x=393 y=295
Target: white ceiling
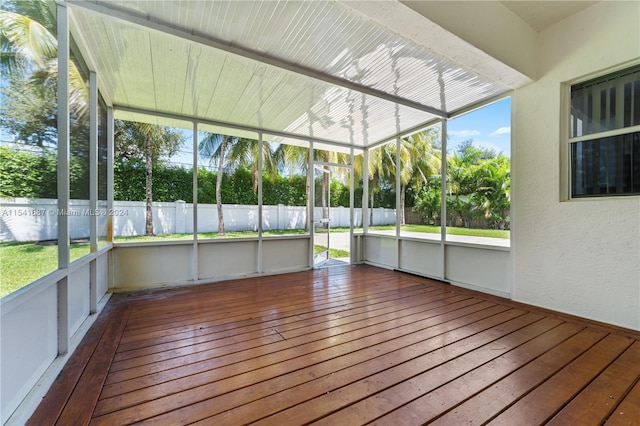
x=541 y=14
x=337 y=72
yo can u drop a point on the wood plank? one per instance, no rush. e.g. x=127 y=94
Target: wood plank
x=598 y=401
x=501 y=394
x=395 y=365
x=87 y=390
x=550 y=333
x=277 y=351
x=377 y=306
x=378 y=340
x=383 y=301
x=382 y=393
x=344 y=346
x=268 y=312
x=56 y=399
x=628 y=412
x=544 y=401
x=243 y=374
x=311 y=310
x=234 y=305
x=81 y=380
x=298 y=329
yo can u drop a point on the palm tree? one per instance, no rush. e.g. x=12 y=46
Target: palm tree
x=233 y=151
x=149 y=143
x=27 y=35
x=419 y=160
x=30 y=48
x=215 y=147
x=297 y=158
x=494 y=194
x=245 y=152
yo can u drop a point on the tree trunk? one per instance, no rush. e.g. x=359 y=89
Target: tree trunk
x=363 y=202
x=371 y=210
x=307 y=222
x=148 y=173
x=325 y=186
x=223 y=149
x=402 y=197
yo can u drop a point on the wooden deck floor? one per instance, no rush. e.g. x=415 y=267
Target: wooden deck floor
x=343 y=346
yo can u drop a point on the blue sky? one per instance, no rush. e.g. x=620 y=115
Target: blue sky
x=489 y=127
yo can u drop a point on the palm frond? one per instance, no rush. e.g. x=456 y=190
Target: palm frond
x=27 y=38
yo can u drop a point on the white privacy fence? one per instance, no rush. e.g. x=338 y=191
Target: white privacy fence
x=23 y=219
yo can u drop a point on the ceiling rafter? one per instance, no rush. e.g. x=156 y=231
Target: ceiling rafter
x=148 y=23
x=210 y=122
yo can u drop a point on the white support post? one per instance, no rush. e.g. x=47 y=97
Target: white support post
x=194 y=263
x=110 y=190
x=93 y=190
x=110 y=172
x=311 y=201
x=399 y=213
x=443 y=198
x=260 y=166
x=63 y=176
x=351 y=206
x=93 y=160
x=365 y=192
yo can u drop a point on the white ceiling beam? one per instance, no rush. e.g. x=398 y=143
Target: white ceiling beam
x=206 y=121
x=151 y=24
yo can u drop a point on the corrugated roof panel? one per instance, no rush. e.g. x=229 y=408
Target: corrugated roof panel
x=152 y=119
x=326 y=36
x=229 y=131
x=169 y=53
x=198 y=93
x=143 y=67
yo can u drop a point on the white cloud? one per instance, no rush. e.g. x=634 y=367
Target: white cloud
x=463 y=133
x=502 y=131
x=490 y=145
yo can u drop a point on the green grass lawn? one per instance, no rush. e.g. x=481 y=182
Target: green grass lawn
x=333 y=253
x=453 y=230
x=23 y=263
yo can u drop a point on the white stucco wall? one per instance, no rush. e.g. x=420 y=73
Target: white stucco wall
x=581 y=257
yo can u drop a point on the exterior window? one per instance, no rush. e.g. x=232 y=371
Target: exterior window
x=605 y=135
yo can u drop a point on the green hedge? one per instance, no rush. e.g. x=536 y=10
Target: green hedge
x=30 y=175
x=34 y=175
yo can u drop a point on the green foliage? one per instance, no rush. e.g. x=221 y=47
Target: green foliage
x=478 y=194
x=237 y=188
x=175 y=183
x=29 y=64
x=478 y=186
x=29 y=111
x=34 y=175
x=428 y=201
x=131 y=138
x=21 y=174
x=290 y=191
x=169 y=183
